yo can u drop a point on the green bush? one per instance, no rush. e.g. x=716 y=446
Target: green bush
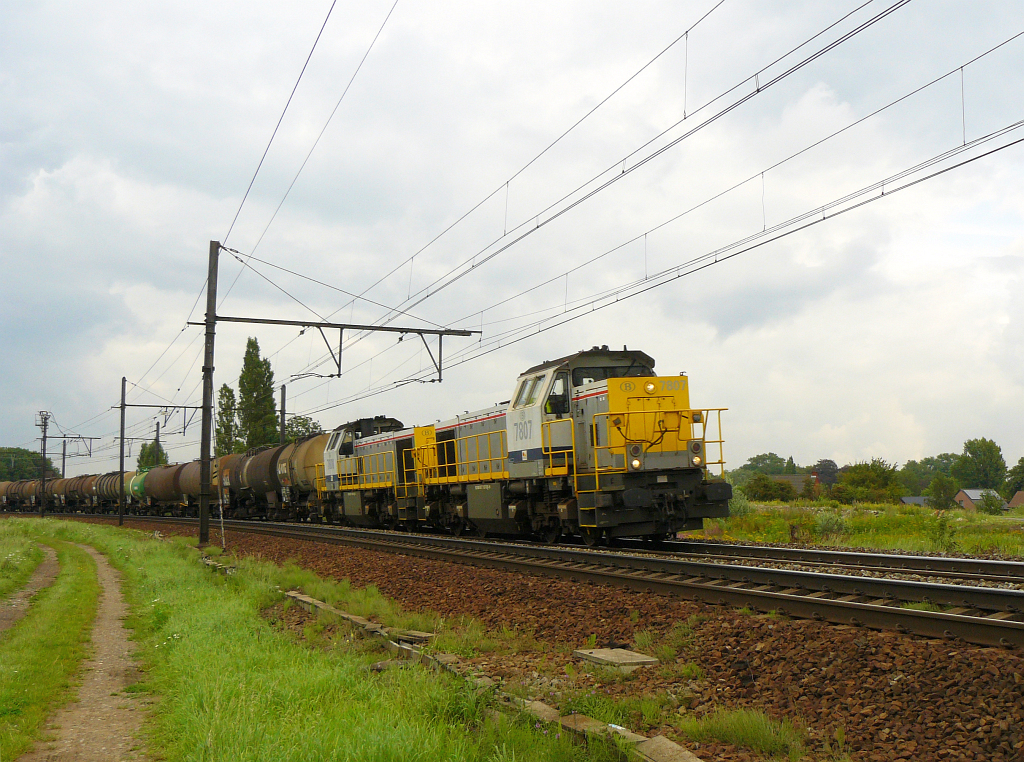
x=762 y=487
x=829 y=525
x=990 y=504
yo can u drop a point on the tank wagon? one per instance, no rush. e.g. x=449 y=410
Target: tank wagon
x=592 y=444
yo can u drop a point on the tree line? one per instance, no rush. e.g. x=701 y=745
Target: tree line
x=938 y=478
x=17 y=463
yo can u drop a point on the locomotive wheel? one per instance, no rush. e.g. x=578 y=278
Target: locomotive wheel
x=591 y=536
x=551 y=534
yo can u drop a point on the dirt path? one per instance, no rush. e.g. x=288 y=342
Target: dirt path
x=103 y=724
x=15 y=607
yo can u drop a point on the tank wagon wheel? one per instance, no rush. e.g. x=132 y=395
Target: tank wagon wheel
x=481 y=533
x=552 y=534
x=591 y=536
x=459 y=528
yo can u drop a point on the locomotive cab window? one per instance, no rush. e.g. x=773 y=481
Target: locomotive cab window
x=558 y=397
x=347 y=443
x=530 y=391
x=581 y=376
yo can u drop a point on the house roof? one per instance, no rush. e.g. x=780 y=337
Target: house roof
x=914 y=500
x=975 y=494
x=797 y=480
x=1017 y=499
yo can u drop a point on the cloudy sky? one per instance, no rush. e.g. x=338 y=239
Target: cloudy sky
x=848 y=325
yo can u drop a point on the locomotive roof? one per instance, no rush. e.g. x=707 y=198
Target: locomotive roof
x=598 y=356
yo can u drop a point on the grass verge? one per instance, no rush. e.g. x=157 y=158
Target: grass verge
x=40 y=655
x=19 y=557
x=881 y=526
x=228 y=685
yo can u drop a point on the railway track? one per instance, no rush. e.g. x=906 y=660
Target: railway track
x=981 y=615
x=932 y=566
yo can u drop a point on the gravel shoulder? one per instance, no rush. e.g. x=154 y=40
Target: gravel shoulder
x=103 y=724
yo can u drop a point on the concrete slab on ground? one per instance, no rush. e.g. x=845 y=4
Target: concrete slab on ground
x=660 y=749
x=619 y=658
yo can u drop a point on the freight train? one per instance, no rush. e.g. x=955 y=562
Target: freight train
x=593 y=444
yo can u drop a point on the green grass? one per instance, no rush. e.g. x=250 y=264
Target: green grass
x=229 y=685
x=922 y=606
x=747 y=728
x=19 y=557
x=40 y=655
x=635 y=712
x=881 y=526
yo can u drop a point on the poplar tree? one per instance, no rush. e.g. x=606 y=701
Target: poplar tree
x=257 y=410
x=151 y=454
x=227 y=423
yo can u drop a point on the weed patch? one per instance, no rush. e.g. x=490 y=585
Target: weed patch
x=748 y=728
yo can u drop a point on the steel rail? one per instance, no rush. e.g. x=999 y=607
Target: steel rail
x=987 y=568
x=986 y=616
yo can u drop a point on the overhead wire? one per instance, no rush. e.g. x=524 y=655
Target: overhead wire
x=798 y=223
x=315 y=142
x=796 y=67
x=278 y=125
x=470 y=264
x=548 y=147
x=566 y=132
x=461 y=270
x=760 y=173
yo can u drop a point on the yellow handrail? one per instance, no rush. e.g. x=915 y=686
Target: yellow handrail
x=320 y=481
x=558 y=461
x=439 y=461
x=375 y=470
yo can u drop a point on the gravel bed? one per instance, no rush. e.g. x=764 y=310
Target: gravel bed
x=894 y=696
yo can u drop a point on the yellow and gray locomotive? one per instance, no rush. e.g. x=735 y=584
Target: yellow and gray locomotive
x=593 y=444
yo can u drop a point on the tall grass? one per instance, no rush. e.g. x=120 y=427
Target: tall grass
x=19 y=557
x=881 y=526
x=230 y=686
x=40 y=654
x=748 y=728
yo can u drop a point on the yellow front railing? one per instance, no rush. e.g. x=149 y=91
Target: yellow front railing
x=619 y=437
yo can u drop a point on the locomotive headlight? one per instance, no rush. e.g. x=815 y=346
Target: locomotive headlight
x=635 y=463
x=649 y=387
x=696 y=460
